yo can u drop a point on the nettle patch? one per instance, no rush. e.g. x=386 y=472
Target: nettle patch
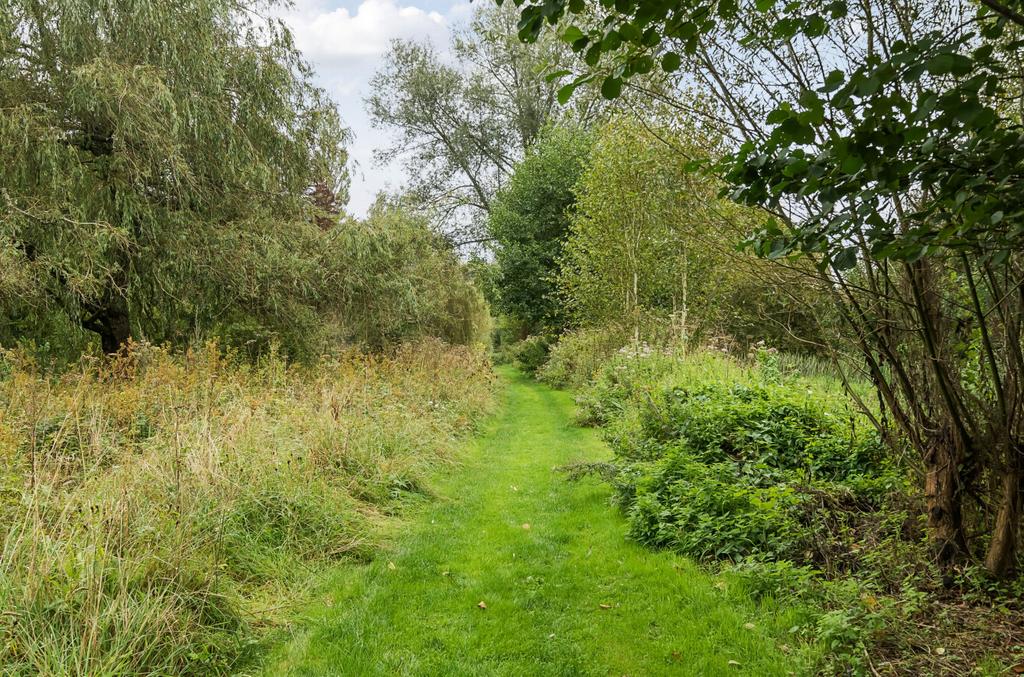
x=731 y=471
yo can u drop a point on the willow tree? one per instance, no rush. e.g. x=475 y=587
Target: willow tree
x=155 y=162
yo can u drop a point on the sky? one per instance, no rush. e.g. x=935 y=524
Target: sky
x=345 y=41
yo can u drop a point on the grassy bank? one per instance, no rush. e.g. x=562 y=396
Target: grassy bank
x=514 y=571
x=160 y=510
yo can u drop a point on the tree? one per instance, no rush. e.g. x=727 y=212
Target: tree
x=885 y=138
x=652 y=246
x=462 y=128
x=155 y=160
x=394 y=279
x=529 y=223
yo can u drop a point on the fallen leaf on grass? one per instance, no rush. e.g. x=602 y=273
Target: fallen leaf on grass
x=482 y=604
x=735 y=663
x=749 y=626
x=526 y=525
x=391 y=565
x=605 y=606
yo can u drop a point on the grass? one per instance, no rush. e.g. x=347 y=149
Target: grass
x=160 y=511
x=565 y=592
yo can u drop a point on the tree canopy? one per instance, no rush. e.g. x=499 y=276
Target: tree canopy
x=461 y=126
x=154 y=161
x=530 y=222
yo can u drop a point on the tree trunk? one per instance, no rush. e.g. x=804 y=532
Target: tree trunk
x=1002 y=549
x=943 y=497
x=110 y=318
x=114 y=329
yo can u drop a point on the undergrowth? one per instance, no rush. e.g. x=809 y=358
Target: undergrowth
x=160 y=510
x=764 y=470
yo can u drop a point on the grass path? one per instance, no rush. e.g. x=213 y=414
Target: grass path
x=569 y=595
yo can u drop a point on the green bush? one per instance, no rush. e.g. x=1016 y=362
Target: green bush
x=722 y=462
x=579 y=356
x=765 y=428
x=531 y=353
x=765 y=471
x=625 y=379
x=715 y=512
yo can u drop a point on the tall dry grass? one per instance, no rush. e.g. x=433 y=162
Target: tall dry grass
x=158 y=508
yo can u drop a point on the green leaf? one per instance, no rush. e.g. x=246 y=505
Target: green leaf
x=815 y=26
x=643 y=64
x=833 y=81
x=851 y=164
x=612 y=41
x=671 y=62
x=611 y=87
x=572 y=34
x=565 y=93
x=557 y=75
x=845 y=259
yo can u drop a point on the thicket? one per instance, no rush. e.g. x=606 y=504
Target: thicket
x=765 y=469
x=624 y=239
x=161 y=510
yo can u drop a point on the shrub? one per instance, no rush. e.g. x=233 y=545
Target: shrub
x=531 y=353
x=712 y=511
x=765 y=428
x=766 y=471
x=579 y=355
x=626 y=378
x=727 y=471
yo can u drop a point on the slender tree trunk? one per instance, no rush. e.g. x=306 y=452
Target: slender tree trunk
x=1002 y=549
x=943 y=499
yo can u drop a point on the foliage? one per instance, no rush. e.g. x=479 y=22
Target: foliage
x=579 y=355
x=637 y=219
x=891 y=159
x=778 y=481
x=652 y=248
x=531 y=353
x=529 y=222
x=155 y=160
x=159 y=507
x=397 y=280
x=725 y=470
x=460 y=129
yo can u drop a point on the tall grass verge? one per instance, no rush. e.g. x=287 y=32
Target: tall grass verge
x=158 y=508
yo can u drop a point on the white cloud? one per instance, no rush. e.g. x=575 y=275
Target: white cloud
x=339 y=36
x=346 y=48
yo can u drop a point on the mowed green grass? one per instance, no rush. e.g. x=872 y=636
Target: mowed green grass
x=569 y=595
